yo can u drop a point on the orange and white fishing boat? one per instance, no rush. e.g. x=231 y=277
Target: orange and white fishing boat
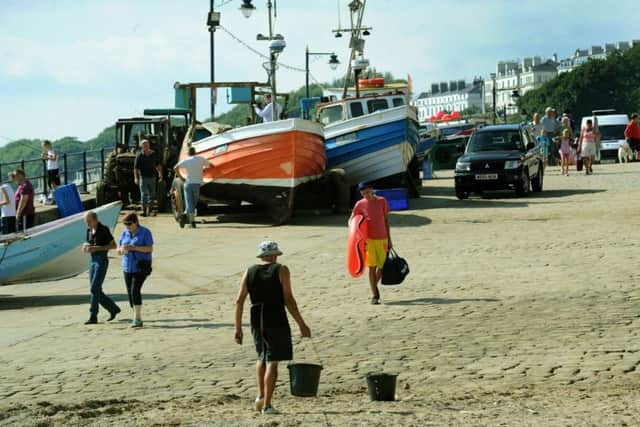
x=264 y=164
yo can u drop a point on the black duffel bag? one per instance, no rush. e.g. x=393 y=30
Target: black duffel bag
x=395 y=269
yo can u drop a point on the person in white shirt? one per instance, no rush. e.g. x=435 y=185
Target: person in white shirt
x=266 y=113
x=8 y=206
x=53 y=169
x=193 y=167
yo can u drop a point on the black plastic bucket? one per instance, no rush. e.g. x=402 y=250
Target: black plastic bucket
x=304 y=379
x=382 y=387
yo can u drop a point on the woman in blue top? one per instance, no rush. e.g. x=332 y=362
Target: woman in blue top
x=135 y=245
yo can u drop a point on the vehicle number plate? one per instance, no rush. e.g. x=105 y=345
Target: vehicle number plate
x=487 y=177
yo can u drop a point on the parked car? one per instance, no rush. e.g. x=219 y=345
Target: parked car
x=611 y=127
x=500 y=157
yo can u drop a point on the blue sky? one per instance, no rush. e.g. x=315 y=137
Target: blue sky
x=71 y=67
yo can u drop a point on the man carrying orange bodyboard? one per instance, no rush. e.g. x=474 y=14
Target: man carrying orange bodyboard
x=376 y=212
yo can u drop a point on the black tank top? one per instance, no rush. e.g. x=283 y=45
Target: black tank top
x=267 y=298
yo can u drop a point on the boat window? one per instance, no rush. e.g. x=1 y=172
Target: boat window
x=331 y=114
x=397 y=102
x=374 y=105
x=201 y=133
x=356 y=109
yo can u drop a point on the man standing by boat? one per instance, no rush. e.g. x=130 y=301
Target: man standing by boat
x=193 y=166
x=266 y=113
x=53 y=170
x=376 y=211
x=8 y=206
x=25 y=209
x=145 y=169
x=99 y=242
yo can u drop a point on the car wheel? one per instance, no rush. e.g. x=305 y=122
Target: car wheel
x=461 y=194
x=523 y=186
x=536 y=184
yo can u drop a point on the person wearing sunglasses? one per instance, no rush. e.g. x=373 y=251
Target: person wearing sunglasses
x=135 y=247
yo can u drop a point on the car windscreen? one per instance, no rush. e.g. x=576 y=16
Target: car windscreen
x=508 y=140
x=612 y=132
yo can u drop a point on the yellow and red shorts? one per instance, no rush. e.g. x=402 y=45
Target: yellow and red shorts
x=376 y=250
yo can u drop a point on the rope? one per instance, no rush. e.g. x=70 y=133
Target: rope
x=223 y=3
x=257 y=52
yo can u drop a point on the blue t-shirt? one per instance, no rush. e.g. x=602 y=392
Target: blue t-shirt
x=142 y=237
x=544 y=143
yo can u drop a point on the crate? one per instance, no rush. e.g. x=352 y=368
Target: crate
x=68 y=200
x=397 y=198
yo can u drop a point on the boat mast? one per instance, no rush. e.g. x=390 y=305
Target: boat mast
x=272 y=65
x=355 y=43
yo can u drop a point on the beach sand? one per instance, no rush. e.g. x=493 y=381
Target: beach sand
x=516 y=312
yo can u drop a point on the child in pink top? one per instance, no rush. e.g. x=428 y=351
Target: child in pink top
x=565 y=148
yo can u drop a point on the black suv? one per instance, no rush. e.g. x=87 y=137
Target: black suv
x=498 y=158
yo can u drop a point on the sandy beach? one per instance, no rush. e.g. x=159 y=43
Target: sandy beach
x=517 y=312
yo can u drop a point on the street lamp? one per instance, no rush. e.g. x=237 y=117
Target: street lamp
x=247 y=8
x=276 y=47
x=213 y=21
x=333 y=64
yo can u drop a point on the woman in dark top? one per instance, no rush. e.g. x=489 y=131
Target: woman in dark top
x=99 y=243
x=268 y=285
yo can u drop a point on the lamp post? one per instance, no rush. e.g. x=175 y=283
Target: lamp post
x=276 y=46
x=213 y=21
x=333 y=64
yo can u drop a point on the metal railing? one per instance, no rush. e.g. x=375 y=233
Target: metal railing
x=83 y=168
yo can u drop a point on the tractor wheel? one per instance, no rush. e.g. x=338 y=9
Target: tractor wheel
x=177 y=200
x=161 y=196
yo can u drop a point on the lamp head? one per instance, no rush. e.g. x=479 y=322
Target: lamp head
x=338 y=34
x=333 y=61
x=247 y=8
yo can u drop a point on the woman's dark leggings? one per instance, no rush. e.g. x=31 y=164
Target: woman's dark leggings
x=134 y=283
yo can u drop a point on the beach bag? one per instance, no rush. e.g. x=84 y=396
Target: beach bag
x=144 y=266
x=395 y=269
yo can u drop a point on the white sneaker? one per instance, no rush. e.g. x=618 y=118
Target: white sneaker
x=270 y=410
x=259 y=403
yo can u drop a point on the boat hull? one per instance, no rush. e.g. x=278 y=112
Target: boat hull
x=374 y=147
x=262 y=164
x=50 y=251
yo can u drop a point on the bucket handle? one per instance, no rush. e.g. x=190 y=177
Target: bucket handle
x=313 y=348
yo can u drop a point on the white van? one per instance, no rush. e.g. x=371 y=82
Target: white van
x=611 y=126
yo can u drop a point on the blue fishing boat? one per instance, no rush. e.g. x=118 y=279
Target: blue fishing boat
x=51 y=251
x=373 y=137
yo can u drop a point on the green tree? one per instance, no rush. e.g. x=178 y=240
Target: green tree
x=597 y=84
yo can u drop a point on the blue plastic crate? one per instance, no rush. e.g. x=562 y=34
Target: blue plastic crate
x=68 y=200
x=397 y=198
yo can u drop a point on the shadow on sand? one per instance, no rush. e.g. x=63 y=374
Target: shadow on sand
x=441 y=197
x=439 y=301
x=10 y=302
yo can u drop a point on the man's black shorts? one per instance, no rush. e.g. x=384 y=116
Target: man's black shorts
x=273 y=345
x=53 y=176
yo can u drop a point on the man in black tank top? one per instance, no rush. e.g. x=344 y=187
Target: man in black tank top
x=268 y=285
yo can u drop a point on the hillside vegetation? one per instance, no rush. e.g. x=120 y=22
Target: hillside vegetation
x=597 y=84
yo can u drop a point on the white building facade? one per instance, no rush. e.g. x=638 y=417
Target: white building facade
x=581 y=56
x=521 y=76
x=452 y=96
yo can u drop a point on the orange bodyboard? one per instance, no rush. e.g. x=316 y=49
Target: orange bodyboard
x=356 y=245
